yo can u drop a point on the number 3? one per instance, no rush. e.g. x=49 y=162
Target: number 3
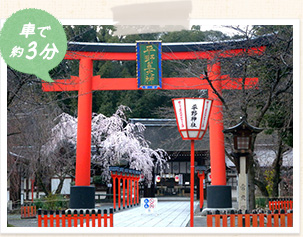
x=33 y=46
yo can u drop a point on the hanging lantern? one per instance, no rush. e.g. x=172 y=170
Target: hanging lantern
x=192 y=116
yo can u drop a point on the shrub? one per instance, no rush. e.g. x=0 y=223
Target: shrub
x=52 y=202
x=261 y=202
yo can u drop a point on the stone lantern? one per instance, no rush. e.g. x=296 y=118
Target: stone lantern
x=242 y=133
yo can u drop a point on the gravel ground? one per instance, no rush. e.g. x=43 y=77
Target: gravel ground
x=16 y=221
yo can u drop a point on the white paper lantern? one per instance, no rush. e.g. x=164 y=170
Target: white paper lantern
x=192 y=116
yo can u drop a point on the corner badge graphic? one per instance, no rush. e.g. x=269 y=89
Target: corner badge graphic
x=33 y=41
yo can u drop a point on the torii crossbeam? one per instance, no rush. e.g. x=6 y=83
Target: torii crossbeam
x=82 y=195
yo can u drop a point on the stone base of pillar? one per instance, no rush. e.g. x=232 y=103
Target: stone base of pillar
x=219 y=196
x=82 y=197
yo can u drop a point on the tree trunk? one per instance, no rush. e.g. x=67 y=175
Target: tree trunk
x=60 y=186
x=262 y=187
x=41 y=184
x=251 y=173
x=251 y=188
x=277 y=169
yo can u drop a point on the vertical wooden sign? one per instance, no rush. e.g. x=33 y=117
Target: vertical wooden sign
x=149 y=64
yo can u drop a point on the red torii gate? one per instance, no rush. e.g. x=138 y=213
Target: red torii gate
x=82 y=196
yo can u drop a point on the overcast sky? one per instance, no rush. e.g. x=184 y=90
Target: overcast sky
x=225 y=29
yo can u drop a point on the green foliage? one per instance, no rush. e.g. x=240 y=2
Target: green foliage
x=133 y=38
x=142 y=103
x=269 y=177
x=105 y=34
x=273 y=29
x=98 y=180
x=38 y=203
x=261 y=202
x=193 y=35
x=84 y=33
x=52 y=202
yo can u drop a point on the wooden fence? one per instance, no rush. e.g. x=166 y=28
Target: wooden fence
x=28 y=211
x=83 y=218
x=280 y=204
x=270 y=219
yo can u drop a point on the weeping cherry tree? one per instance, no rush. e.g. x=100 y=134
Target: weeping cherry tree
x=117 y=141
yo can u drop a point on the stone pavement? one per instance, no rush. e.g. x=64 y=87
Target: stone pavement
x=16 y=221
x=168 y=214
x=171 y=212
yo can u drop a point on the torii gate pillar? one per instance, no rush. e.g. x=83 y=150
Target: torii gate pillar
x=82 y=195
x=218 y=194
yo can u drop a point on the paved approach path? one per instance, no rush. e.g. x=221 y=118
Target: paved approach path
x=168 y=214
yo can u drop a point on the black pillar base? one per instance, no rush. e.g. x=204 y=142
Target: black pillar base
x=219 y=196
x=82 y=197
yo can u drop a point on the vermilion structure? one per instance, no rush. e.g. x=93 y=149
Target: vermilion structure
x=86 y=53
x=201 y=176
x=132 y=178
x=192 y=116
